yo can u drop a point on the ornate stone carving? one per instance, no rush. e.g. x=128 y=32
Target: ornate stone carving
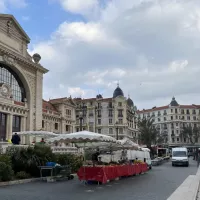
x=5 y=90
x=8 y=60
x=9 y=26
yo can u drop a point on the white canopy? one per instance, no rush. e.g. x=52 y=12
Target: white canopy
x=82 y=137
x=127 y=143
x=37 y=133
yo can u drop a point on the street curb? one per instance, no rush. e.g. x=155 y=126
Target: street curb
x=16 y=182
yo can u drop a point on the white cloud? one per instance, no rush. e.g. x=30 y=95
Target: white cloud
x=5 y=4
x=150 y=47
x=79 y=6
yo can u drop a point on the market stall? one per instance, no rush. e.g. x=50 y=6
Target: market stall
x=100 y=171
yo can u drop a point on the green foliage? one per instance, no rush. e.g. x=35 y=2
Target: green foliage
x=5 y=159
x=6 y=172
x=22 y=175
x=28 y=159
x=191 y=132
x=148 y=134
x=74 y=161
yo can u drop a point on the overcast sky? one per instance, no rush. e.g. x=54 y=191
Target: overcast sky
x=151 y=47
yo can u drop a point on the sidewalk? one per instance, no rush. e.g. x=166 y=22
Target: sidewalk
x=198 y=194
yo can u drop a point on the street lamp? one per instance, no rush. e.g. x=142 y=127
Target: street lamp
x=81 y=120
x=117 y=128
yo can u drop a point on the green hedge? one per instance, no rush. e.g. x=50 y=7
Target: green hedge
x=27 y=160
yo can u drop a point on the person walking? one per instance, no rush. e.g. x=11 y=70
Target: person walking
x=198 y=158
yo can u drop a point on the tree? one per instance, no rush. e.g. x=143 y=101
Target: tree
x=148 y=134
x=191 y=133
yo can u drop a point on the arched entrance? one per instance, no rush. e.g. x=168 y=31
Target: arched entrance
x=12 y=77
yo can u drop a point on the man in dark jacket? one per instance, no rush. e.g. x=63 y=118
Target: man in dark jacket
x=16 y=139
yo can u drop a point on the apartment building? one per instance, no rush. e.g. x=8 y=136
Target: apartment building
x=113 y=116
x=170 y=119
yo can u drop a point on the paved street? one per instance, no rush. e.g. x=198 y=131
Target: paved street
x=157 y=184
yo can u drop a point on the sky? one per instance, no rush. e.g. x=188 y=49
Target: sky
x=151 y=47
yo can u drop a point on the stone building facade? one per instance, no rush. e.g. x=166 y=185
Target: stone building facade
x=21 y=81
x=170 y=119
x=113 y=116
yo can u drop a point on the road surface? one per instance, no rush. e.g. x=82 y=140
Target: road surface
x=157 y=184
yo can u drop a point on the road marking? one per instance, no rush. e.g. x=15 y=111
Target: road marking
x=89 y=190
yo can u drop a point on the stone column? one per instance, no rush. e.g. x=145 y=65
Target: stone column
x=24 y=139
x=38 y=113
x=9 y=124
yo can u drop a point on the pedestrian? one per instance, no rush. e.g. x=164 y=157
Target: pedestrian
x=42 y=141
x=198 y=158
x=15 y=139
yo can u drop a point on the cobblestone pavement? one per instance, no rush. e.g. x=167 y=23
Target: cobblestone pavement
x=157 y=184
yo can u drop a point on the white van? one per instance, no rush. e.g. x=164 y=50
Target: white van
x=180 y=156
x=147 y=157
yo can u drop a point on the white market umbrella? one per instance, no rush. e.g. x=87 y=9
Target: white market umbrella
x=82 y=137
x=37 y=133
x=127 y=143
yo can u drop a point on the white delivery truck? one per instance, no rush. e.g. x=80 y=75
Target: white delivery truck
x=180 y=156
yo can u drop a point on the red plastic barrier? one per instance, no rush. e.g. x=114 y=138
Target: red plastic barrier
x=105 y=173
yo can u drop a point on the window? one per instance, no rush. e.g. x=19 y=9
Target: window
x=177 y=139
x=120 y=121
x=182 y=112
x=56 y=126
x=110 y=131
x=176 y=117
x=9 y=77
x=42 y=123
x=194 y=118
x=184 y=139
x=16 y=123
x=67 y=128
x=183 y=118
x=120 y=113
x=171 y=110
x=99 y=121
x=188 y=117
x=110 y=113
x=121 y=130
x=165 y=119
x=173 y=140
x=158 y=119
x=119 y=103
x=99 y=113
x=165 y=112
x=176 y=110
x=195 y=125
x=177 y=131
x=176 y=124
x=172 y=132
x=99 y=130
x=171 y=117
x=91 y=103
x=188 y=112
x=99 y=105
x=110 y=121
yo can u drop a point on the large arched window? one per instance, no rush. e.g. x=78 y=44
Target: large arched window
x=8 y=76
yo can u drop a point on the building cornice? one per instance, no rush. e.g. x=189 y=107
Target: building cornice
x=17 y=57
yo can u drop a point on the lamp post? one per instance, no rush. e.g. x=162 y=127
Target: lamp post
x=81 y=120
x=117 y=128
